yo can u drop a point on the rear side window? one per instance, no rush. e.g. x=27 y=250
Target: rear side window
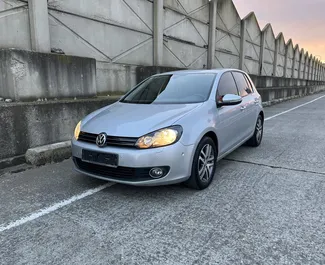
x=249 y=84
x=226 y=86
x=242 y=85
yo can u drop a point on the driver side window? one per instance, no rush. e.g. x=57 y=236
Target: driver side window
x=226 y=85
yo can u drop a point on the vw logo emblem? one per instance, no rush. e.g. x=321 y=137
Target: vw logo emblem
x=101 y=139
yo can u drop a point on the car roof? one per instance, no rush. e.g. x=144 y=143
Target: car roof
x=210 y=71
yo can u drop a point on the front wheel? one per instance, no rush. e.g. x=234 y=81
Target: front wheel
x=204 y=165
x=256 y=140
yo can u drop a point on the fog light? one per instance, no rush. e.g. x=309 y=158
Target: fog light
x=156 y=173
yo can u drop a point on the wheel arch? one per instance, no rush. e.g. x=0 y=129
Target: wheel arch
x=214 y=137
x=262 y=114
x=209 y=133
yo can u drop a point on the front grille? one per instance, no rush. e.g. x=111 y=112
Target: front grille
x=121 y=173
x=111 y=140
x=87 y=137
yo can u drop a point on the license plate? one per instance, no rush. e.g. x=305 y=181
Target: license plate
x=100 y=158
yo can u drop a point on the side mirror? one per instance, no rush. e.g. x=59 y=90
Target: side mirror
x=230 y=100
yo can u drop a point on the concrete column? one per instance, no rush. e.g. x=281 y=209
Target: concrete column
x=309 y=68
x=315 y=67
x=305 y=67
x=319 y=71
x=212 y=34
x=276 y=57
x=293 y=65
x=262 y=52
x=302 y=53
x=158 y=33
x=242 y=45
x=39 y=25
x=312 y=68
x=286 y=61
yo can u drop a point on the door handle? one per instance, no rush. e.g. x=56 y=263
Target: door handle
x=257 y=101
x=243 y=108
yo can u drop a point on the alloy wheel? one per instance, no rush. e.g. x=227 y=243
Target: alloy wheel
x=259 y=130
x=206 y=163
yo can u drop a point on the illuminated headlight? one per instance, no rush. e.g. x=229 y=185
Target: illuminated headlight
x=160 y=138
x=77 y=131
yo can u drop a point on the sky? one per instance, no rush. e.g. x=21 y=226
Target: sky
x=301 y=20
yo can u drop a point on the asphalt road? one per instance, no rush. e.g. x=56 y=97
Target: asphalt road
x=265 y=206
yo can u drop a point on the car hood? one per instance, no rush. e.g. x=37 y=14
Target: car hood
x=134 y=120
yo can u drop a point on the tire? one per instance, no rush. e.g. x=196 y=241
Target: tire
x=256 y=139
x=205 y=155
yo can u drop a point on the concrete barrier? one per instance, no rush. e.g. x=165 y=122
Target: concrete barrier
x=34 y=124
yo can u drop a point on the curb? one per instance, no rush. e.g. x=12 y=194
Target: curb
x=52 y=153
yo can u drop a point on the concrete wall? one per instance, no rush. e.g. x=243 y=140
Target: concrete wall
x=281 y=55
x=267 y=51
x=26 y=75
x=185 y=32
x=14 y=25
x=228 y=36
x=115 y=33
x=252 y=44
x=123 y=34
x=27 y=125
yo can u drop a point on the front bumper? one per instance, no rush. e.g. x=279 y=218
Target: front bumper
x=177 y=157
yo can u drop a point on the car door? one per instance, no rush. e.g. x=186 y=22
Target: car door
x=228 y=116
x=256 y=96
x=248 y=105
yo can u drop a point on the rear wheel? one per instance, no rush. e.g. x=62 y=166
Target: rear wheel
x=258 y=133
x=204 y=165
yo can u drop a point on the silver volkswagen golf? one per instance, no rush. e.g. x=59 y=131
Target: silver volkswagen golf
x=171 y=128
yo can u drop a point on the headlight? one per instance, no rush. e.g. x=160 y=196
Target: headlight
x=77 y=131
x=160 y=138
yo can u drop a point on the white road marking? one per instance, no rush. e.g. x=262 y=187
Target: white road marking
x=284 y=112
x=53 y=207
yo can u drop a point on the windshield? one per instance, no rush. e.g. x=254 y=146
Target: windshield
x=172 y=89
